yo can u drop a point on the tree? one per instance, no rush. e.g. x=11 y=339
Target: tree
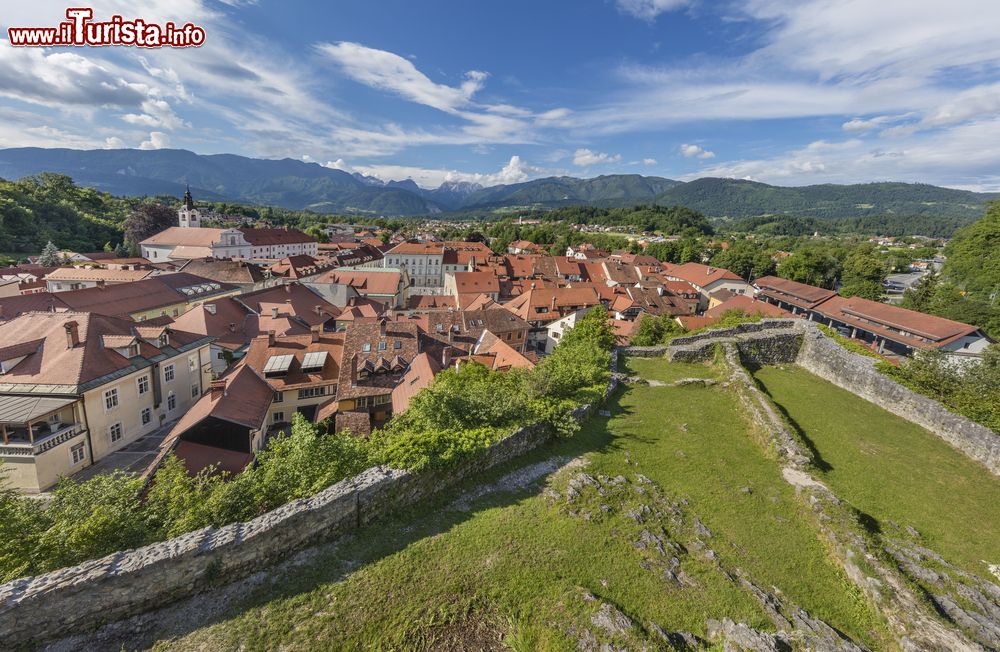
x=811 y=266
x=864 y=272
x=745 y=258
x=50 y=256
x=919 y=297
x=652 y=331
x=594 y=327
x=148 y=219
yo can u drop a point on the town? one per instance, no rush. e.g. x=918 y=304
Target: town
x=207 y=344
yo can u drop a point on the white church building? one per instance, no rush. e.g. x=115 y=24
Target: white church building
x=189 y=240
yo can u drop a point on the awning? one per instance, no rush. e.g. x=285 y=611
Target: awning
x=22 y=409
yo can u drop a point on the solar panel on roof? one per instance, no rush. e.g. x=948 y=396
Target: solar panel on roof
x=278 y=364
x=314 y=361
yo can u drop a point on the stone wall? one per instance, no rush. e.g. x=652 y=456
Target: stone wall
x=771 y=341
x=857 y=374
x=130 y=582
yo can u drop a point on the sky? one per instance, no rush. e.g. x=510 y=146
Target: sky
x=787 y=92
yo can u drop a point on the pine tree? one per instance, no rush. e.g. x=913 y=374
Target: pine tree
x=49 y=256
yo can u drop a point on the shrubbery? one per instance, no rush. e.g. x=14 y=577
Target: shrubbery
x=971 y=390
x=463 y=412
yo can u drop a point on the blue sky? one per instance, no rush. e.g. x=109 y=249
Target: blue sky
x=788 y=92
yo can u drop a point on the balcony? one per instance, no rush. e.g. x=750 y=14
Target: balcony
x=19 y=443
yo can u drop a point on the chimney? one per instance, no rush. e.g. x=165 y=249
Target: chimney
x=381 y=327
x=288 y=288
x=274 y=312
x=270 y=338
x=217 y=389
x=210 y=307
x=100 y=283
x=72 y=334
x=314 y=331
x=445 y=357
x=354 y=369
x=232 y=327
x=319 y=309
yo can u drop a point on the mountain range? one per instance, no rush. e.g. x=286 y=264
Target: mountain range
x=293 y=184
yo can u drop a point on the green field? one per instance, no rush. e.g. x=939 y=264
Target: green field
x=659 y=369
x=895 y=472
x=528 y=565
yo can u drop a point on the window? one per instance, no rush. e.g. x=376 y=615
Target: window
x=310 y=392
x=76 y=454
x=195 y=391
x=192 y=363
x=147 y=416
x=279 y=397
x=381 y=346
x=382 y=400
x=111 y=399
x=175 y=312
x=171 y=401
x=361 y=401
x=220 y=355
x=115 y=432
x=397 y=345
x=168 y=373
x=366 y=347
x=277 y=417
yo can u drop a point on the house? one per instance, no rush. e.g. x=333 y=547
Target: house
x=891 y=329
x=460 y=329
x=885 y=327
x=275 y=306
x=466 y=286
x=232 y=326
x=525 y=247
x=76 y=387
x=243 y=274
x=190 y=240
x=734 y=302
x=707 y=279
x=585 y=251
x=225 y=427
x=427 y=262
x=178 y=243
x=165 y=295
x=541 y=306
x=797 y=298
x=302 y=370
x=377 y=354
x=77 y=278
x=386 y=285
x=497 y=354
x=555 y=330
x=630 y=301
x=421 y=374
x=300 y=267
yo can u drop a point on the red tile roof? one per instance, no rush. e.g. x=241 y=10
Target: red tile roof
x=793 y=292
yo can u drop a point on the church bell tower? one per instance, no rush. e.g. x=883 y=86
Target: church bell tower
x=188 y=216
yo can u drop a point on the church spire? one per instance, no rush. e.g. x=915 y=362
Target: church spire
x=188 y=202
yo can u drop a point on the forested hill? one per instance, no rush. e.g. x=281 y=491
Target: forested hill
x=738 y=198
x=284 y=183
x=296 y=185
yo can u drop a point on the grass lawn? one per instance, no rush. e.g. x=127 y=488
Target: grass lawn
x=894 y=471
x=660 y=369
x=528 y=563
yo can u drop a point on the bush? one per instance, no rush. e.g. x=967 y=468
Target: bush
x=971 y=390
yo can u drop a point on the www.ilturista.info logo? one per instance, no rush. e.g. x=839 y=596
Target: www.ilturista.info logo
x=80 y=30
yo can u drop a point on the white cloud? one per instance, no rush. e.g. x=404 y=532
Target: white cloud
x=339 y=164
x=157 y=140
x=649 y=9
x=390 y=72
x=516 y=170
x=585 y=158
x=114 y=142
x=695 y=151
x=649 y=161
